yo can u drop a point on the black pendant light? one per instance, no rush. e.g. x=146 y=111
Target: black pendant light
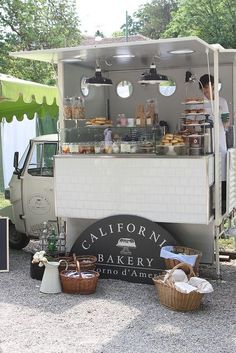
x=98 y=79
x=152 y=76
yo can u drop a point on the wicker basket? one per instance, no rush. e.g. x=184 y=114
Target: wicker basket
x=87 y=263
x=170 y=263
x=78 y=282
x=173 y=299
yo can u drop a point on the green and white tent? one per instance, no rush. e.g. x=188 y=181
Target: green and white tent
x=19 y=98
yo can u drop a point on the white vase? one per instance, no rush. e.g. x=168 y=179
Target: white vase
x=51 y=280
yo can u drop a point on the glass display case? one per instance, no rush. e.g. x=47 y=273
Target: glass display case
x=99 y=135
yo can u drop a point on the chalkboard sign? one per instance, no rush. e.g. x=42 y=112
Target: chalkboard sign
x=4 y=245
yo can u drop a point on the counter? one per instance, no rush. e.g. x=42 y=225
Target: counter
x=173 y=189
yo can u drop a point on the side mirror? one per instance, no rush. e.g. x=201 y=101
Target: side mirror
x=16 y=161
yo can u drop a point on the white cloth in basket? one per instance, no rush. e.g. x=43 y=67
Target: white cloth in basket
x=185 y=288
x=196 y=284
x=202 y=285
x=178 y=275
x=166 y=253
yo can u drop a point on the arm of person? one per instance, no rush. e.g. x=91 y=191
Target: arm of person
x=224 y=111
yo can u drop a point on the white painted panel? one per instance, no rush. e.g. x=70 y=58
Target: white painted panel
x=97 y=187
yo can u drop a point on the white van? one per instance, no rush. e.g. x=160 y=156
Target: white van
x=31 y=191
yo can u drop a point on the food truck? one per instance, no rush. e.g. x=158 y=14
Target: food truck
x=134 y=139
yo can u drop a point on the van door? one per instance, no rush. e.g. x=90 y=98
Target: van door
x=37 y=187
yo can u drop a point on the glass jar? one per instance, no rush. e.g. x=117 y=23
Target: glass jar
x=124 y=147
x=122 y=119
x=67 y=108
x=65 y=148
x=78 y=108
x=97 y=147
x=150 y=112
x=74 y=148
x=133 y=147
x=115 y=147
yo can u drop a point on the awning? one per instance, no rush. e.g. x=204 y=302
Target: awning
x=20 y=97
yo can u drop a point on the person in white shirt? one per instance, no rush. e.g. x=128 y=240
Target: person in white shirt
x=206 y=84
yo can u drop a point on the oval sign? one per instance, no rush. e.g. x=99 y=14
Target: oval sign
x=127 y=247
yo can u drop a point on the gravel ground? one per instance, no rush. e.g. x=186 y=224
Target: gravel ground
x=119 y=317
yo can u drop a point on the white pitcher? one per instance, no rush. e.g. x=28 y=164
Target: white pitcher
x=51 y=280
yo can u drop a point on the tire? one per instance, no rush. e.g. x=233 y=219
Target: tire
x=17 y=240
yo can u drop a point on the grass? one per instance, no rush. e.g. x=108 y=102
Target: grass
x=227 y=244
x=3 y=202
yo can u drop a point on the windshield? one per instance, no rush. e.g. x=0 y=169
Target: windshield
x=23 y=158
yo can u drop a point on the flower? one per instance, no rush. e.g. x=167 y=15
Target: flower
x=40 y=258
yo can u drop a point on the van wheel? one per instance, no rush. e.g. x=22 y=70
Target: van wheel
x=17 y=240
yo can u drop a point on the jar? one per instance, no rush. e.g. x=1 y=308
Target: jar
x=67 y=108
x=122 y=119
x=74 y=148
x=133 y=147
x=150 y=112
x=140 y=116
x=82 y=148
x=124 y=147
x=97 y=147
x=131 y=122
x=78 y=109
x=65 y=148
x=115 y=147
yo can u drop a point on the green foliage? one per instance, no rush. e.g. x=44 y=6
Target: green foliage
x=212 y=20
x=151 y=18
x=99 y=34
x=117 y=34
x=3 y=202
x=35 y=24
x=134 y=27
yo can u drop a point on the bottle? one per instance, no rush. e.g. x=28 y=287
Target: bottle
x=52 y=242
x=150 y=112
x=140 y=116
x=61 y=244
x=44 y=236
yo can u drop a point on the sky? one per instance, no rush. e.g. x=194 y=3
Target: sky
x=106 y=16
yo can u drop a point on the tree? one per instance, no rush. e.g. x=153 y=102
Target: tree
x=35 y=24
x=151 y=19
x=212 y=20
x=134 y=27
x=99 y=34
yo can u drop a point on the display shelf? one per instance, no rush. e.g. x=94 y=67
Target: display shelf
x=193 y=114
x=73 y=119
x=193 y=102
x=196 y=124
x=98 y=126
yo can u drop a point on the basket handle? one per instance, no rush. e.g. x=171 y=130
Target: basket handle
x=181 y=264
x=63 y=260
x=76 y=263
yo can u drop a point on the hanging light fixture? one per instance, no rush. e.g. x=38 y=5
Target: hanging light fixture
x=98 y=79
x=152 y=76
